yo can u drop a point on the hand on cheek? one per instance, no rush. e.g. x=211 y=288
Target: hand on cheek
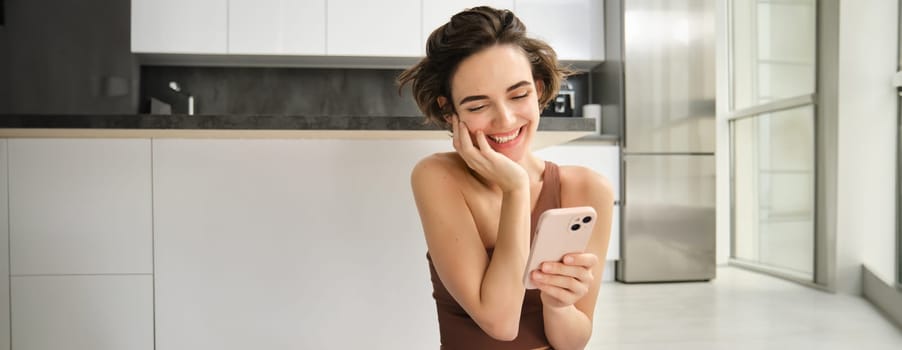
x=480 y=157
x=463 y=126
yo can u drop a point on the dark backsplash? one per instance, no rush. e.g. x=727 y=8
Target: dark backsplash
x=293 y=91
x=289 y=91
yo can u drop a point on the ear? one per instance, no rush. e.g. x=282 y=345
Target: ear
x=442 y=101
x=540 y=87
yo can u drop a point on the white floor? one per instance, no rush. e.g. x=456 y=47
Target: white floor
x=737 y=310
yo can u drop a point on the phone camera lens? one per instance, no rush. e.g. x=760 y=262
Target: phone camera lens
x=574 y=227
x=587 y=219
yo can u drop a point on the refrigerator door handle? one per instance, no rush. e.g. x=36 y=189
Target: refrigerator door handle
x=622 y=180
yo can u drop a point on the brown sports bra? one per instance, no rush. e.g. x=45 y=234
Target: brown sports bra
x=459 y=331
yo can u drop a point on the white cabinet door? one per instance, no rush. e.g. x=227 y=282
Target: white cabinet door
x=179 y=26
x=439 y=12
x=574 y=28
x=80 y=206
x=367 y=28
x=299 y=244
x=82 y=312
x=4 y=248
x=277 y=27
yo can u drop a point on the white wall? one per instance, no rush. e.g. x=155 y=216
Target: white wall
x=722 y=150
x=866 y=160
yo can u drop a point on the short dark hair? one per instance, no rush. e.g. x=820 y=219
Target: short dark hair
x=469 y=32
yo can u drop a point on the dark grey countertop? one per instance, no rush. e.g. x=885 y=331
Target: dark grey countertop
x=252 y=122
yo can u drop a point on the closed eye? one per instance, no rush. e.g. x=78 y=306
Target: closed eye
x=477 y=108
x=521 y=96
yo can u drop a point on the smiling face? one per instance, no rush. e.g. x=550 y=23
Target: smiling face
x=493 y=90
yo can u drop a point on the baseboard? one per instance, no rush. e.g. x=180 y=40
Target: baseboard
x=883 y=296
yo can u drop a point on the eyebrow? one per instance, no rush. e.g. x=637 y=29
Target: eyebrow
x=483 y=97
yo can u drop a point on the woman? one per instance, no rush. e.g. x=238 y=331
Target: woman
x=487 y=82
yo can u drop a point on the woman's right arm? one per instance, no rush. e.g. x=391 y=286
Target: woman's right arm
x=490 y=290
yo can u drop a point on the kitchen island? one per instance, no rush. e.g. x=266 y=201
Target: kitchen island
x=227 y=232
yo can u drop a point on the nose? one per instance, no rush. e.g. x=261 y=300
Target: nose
x=504 y=117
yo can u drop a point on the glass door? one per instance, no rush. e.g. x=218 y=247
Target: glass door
x=772 y=135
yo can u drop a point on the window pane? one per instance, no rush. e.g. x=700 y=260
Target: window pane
x=773 y=188
x=773 y=50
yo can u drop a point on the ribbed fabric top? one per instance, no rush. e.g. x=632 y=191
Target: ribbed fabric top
x=459 y=331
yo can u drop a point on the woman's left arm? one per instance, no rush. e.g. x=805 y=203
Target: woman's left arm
x=570 y=288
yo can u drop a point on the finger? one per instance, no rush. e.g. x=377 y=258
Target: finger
x=581 y=273
x=468 y=151
x=483 y=143
x=581 y=259
x=455 y=133
x=563 y=295
x=465 y=139
x=559 y=281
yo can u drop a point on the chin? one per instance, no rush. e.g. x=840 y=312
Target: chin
x=515 y=154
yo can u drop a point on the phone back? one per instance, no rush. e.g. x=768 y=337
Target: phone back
x=559 y=232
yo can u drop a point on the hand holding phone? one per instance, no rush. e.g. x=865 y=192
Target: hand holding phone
x=559 y=232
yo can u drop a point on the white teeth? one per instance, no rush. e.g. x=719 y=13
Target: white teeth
x=505 y=139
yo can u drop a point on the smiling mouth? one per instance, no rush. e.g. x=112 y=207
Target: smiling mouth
x=507 y=138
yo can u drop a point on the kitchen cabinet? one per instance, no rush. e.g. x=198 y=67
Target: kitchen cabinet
x=602 y=158
x=293 y=242
x=79 y=206
x=180 y=26
x=82 y=312
x=574 y=28
x=4 y=249
x=277 y=27
x=355 y=28
x=438 y=12
x=364 y=28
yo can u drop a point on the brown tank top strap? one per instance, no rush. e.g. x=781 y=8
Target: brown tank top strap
x=550 y=195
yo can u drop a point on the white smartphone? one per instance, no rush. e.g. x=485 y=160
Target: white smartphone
x=559 y=232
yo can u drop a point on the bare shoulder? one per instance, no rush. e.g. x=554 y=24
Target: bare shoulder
x=439 y=168
x=584 y=186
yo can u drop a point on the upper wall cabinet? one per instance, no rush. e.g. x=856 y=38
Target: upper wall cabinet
x=438 y=12
x=354 y=28
x=180 y=26
x=574 y=28
x=366 y=28
x=277 y=27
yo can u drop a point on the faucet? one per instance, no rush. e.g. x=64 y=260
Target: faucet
x=175 y=87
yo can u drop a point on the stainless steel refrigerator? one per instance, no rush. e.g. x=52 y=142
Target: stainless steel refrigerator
x=659 y=77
